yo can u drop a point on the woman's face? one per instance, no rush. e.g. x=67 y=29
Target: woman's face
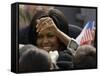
x=47 y=40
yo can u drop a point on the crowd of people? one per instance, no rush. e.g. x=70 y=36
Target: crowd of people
x=43 y=45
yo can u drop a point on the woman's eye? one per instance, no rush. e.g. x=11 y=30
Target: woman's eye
x=50 y=35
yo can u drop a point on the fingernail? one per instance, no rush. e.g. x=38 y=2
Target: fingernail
x=37 y=30
x=37 y=20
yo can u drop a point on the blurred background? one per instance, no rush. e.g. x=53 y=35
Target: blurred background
x=77 y=16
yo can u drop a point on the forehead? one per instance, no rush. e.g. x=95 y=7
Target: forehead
x=46 y=32
x=44 y=18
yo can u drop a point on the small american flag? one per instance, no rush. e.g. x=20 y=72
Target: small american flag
x=86 y=36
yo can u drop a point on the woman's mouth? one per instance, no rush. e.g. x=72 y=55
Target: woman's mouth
x=47 y=48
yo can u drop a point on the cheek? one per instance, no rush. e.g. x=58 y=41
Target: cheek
x=54 y=41
x=39 y=42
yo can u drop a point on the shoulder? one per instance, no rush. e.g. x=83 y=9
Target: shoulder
x=65 y=60
x=65 y=55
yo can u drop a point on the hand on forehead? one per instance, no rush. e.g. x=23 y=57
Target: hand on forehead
x=45 y=23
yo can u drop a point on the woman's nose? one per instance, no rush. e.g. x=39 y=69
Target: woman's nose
x=45 y=40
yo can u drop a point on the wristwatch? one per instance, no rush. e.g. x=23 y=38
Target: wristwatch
x=72 y=45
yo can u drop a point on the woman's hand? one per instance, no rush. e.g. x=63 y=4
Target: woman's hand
x=46 y=23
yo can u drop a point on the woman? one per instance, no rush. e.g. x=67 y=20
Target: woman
x=48 y=31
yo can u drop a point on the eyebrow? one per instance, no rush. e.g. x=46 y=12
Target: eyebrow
x=50 y=33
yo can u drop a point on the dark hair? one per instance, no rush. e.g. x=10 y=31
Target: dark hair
x=58 y=18
x=85 y=57
x=34 y=59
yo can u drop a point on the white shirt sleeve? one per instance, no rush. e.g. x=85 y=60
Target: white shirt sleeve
x=54 y=55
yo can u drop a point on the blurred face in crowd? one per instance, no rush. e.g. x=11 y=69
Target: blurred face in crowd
x=47 y=40
x=32 y=9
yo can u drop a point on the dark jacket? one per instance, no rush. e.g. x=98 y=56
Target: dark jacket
x=64 y=61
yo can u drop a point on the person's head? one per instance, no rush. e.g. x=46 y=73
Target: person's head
x=33 y=9
x=34 y=59
x=47 y=40
x=85 y=57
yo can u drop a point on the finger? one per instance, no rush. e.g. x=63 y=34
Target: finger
x=42 y=26
x=45 y=28
x=47 y=24
x=40 y=22
x=46 y=19
x=49 y=21
x=44 y=23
